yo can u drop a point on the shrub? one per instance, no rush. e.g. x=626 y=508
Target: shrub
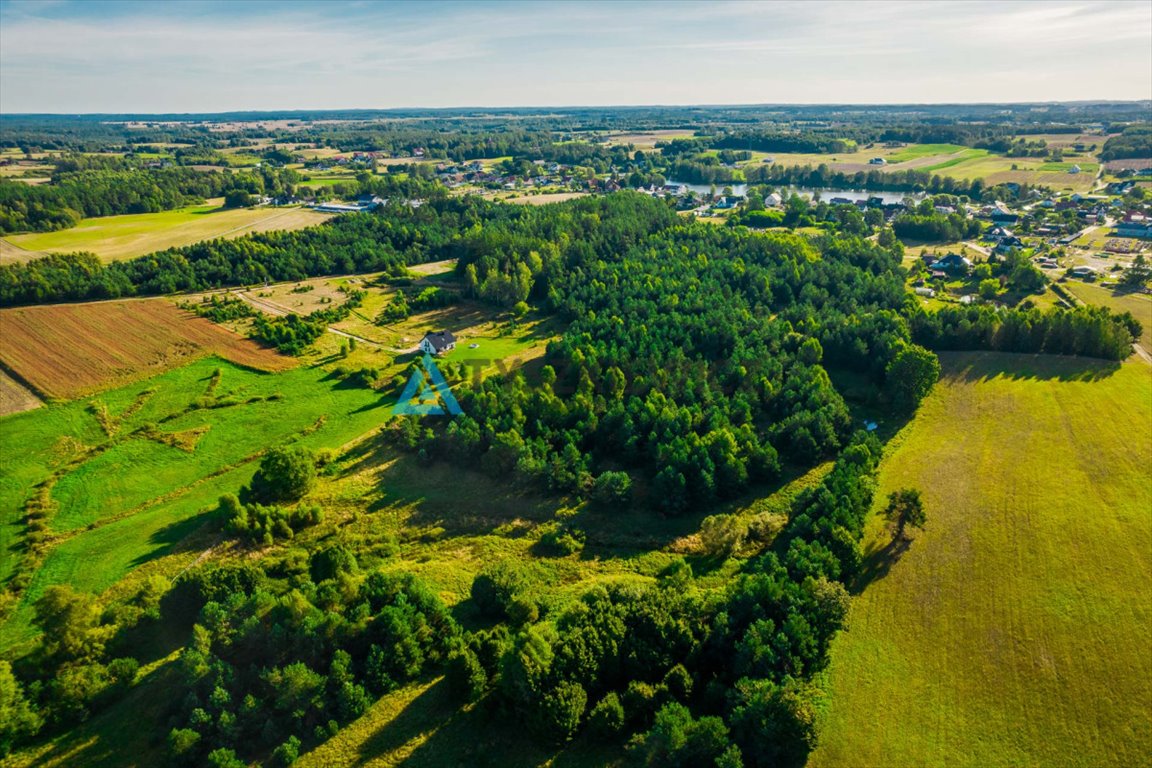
x=607 y=717
x=466 y=677
x=612 y=489
x=558 y=541
x=722 y=535
x=496 y=587
x=330 y=562
x=285 y=474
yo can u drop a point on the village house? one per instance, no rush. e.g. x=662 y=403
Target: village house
x=438 y=342
x=953 y=262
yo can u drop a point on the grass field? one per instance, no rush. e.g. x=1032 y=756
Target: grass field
x=124 y=237
x=131 y=472
x=1015 y=629
x=1140 y=305
x=67 y=350
x=917 y=151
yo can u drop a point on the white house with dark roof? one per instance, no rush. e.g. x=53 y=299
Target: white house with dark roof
x=438 y=343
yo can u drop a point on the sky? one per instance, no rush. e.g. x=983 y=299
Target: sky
x=140 y=56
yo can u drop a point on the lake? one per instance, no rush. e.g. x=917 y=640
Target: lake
x=825 y=194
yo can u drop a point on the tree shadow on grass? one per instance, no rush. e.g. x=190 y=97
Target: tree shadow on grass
x=878 y=562
x=173 y=538
x=127 y=732
x=435 y=730
x=986 y=366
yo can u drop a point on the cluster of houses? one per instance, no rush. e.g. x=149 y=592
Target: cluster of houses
x=454 y=175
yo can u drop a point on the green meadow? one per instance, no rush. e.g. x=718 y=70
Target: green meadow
x=172 y=445
x=916 y=151
x=1015 y=629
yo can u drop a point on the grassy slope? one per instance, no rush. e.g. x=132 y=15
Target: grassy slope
x=140 y=492
x=124 y=237
x=1015 y=630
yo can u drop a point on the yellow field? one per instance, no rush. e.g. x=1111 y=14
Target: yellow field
x=113 y=238
x=1015 y=629
x=547 y=197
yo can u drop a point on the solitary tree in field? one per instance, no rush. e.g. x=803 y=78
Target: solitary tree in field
x=911 y=375
x=285 y=474
x=905 y=509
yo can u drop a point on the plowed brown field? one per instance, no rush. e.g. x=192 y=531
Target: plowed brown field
x=68 y=350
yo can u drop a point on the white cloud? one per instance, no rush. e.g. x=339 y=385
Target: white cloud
x=177 y=57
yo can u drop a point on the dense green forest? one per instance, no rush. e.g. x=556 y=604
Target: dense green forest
x=695 y=365
x=1135 y=141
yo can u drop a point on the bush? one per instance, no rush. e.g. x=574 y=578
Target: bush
x=330 y=562
x=722 y=535
x=496 y=588
x=466 y=676
x=558 y=541
x=612 y=489
x=285 y=474
x=562 y=709
x=606 y=718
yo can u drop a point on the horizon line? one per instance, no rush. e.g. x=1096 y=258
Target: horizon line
x=522 y=107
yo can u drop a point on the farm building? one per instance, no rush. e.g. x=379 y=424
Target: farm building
x=877 y=161
x=346 y=207
x=438 y=342
x=1138 y=229
x=1074 y=169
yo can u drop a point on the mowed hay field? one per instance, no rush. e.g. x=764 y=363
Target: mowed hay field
x=125 y=237
x=14 y=396
x=67 y=350
x=1016 y=630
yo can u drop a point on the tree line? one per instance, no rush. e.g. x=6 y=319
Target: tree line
x=87 y=192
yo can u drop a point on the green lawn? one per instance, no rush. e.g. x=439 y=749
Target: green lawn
x=1015 y=630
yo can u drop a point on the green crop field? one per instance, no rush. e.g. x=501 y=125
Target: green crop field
x=124 y=237
x=960 y=157
x=121 y=497
x=916 y=151
x=1015 y=629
